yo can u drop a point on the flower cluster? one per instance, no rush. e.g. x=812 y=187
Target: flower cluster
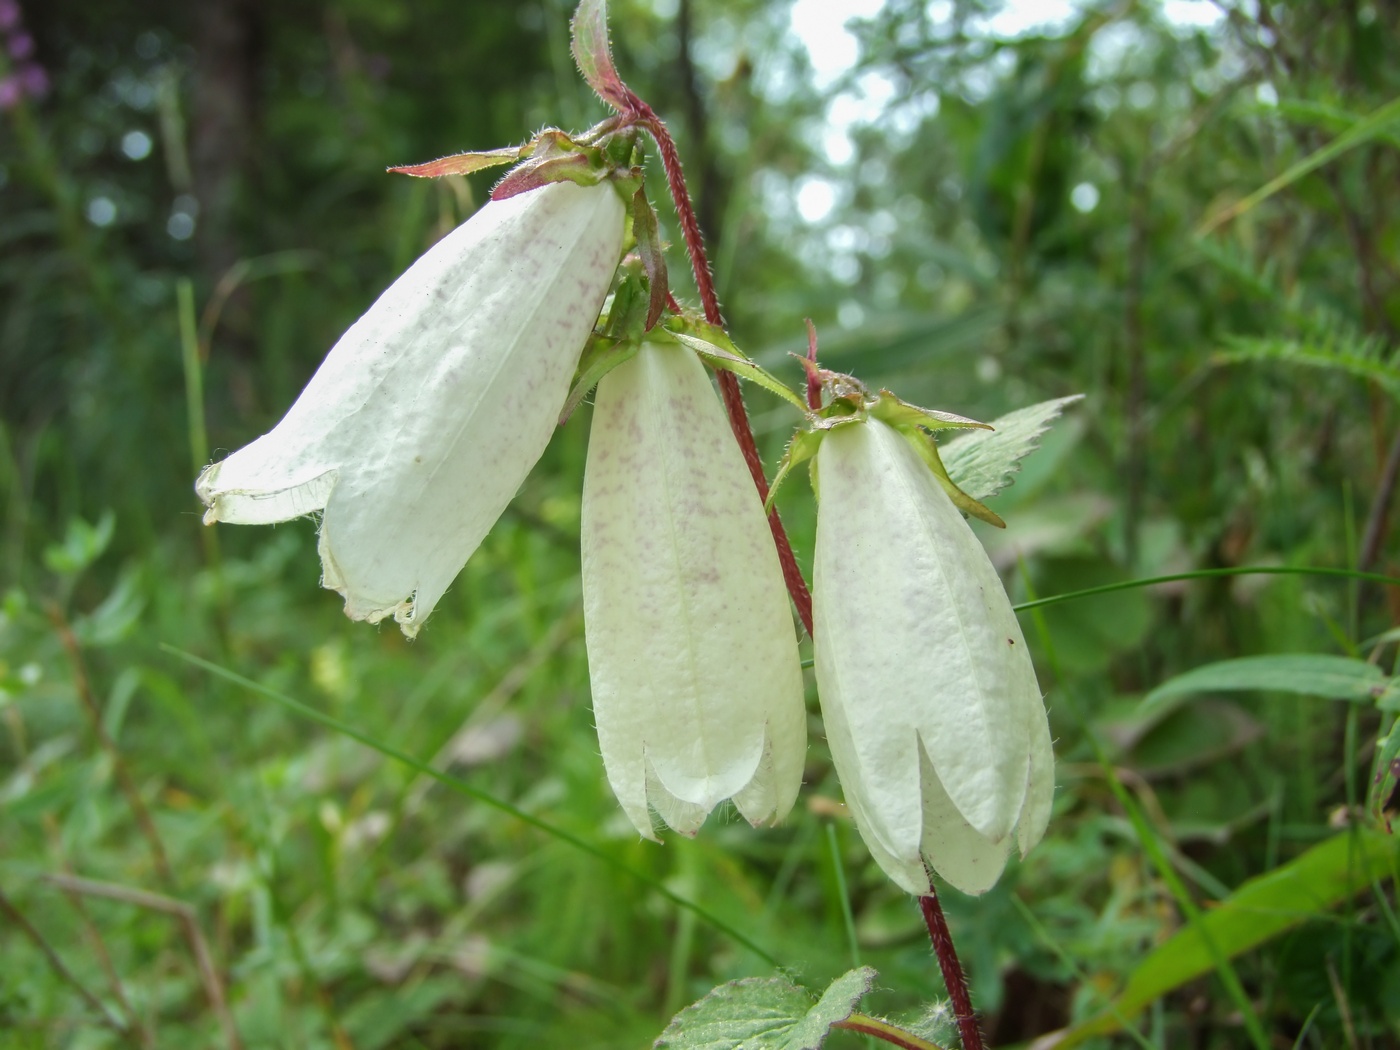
x=425 y=418
x=427 y=415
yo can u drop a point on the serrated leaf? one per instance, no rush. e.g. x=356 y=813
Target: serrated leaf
x=593 y=53
x=461 y=163
x=765 y=1013
x=982 y=462
x=1306 y=674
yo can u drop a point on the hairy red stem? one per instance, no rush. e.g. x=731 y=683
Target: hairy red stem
x=953 y=975
x=729 y=390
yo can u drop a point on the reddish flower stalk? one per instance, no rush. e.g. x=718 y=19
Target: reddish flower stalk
x=729 y=390
x=953 y=975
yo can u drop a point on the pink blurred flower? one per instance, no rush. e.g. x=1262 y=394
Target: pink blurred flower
x=33 y=80
x=9 y=14
x=21 y=45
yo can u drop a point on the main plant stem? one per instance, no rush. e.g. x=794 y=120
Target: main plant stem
x=953 y=975
x=646 y=117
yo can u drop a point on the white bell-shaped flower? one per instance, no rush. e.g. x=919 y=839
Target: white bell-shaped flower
x=932 y=710
x=426 y=416
x=692 y=651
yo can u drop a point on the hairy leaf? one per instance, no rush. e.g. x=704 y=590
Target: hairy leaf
x=981 y=462
x=764 y=1013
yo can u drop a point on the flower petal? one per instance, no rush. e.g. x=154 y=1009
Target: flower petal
x=916 y=635
x=1040 y=787
x=430 y=411
x=697 y=688
x=956 y=850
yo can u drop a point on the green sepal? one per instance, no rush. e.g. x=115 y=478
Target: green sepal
x=900 y=414
x=647 y=233
x=802 y=447
x=718 y=350
x=626 y=311
x=927 y=449
x=588 y=40
x=600 y=356
x=464 y=163
x=553 y=157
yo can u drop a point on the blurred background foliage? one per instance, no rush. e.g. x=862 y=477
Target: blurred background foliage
x=979 y=209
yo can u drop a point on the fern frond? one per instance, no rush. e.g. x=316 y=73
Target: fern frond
x=1341 y=349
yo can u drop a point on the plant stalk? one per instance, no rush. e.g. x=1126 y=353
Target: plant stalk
x=953 y=975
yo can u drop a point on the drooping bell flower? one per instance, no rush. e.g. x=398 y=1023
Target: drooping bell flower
x=692 y=651
x=426 y=416
x=936 y=723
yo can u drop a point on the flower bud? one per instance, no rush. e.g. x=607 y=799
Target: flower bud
x=426 y=416
x=930 y=701
x=692 y=652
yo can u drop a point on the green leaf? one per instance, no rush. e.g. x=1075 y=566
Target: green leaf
x=471 y=791
x=82 y=545
x=765 y=1013
x=981 y=462
x=593 y=53
x=1332 y=119
x=1307 y=674
x=1376 y=124
x=1260 y=909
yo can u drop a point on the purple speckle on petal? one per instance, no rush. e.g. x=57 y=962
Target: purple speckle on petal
x=21 y=45
x=10 y=92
